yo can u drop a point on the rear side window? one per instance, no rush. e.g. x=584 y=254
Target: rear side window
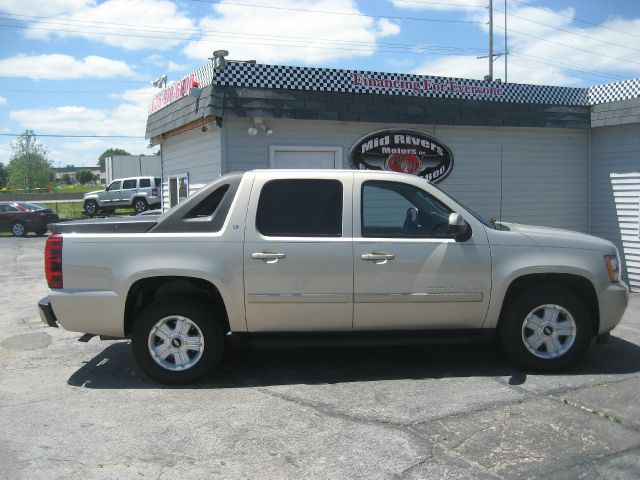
x=145 y=182
x=300 y=208
x=209 y=205
x=128 y=184
x=158 y=182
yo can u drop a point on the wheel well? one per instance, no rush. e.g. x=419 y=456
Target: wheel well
x=148 y=290
x=580 y=286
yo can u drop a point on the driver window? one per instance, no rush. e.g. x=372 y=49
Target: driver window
x=398 y=210
x=114 y=186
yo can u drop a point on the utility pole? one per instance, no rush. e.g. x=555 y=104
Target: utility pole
x=506 y=50
x=491 y=40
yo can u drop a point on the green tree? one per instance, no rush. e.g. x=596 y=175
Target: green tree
x=109 y=153
x=29 y=166
x=3 y=175
x=84 y=176
x=66 y=178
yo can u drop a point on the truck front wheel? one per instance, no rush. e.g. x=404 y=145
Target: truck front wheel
x=177 y=341
x=545 y=328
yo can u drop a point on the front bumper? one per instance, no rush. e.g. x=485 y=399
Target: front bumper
x=46 y=313
x=613 y=302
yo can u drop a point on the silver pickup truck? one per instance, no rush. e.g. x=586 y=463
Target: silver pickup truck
x=328 y=255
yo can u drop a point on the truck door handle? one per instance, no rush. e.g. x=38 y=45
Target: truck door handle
x=378 y=257
x=268 y=256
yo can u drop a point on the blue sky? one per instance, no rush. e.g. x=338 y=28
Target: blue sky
x=81 y=69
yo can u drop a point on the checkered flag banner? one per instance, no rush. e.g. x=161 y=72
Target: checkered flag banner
x=253 y=75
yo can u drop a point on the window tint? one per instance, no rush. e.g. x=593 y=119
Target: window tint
x=208 y=206
x=392 y=209
x=128 y=184
x=300 y=208
x=144 y=183
x=115 y=185
x=157 y=181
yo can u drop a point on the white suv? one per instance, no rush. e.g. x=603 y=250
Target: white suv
x=139 y=193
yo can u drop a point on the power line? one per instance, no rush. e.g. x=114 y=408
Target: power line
x=587 y=22
x=352 y=14
x=71 y=80
x=568 y=31
x=144 y=28
x=371 y=49
x=52 y=135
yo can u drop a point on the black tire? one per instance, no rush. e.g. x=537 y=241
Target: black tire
x=91 y=207
x=140 y=205
x=40 y=232
x=210 y=331
x=529 y=306
x=19 y=229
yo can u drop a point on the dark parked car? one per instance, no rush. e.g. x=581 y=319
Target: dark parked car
x=21 y=218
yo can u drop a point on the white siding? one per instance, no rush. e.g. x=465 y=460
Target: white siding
x=615 y=192
x=544 y=170
x=195 y=153
x=120 y=166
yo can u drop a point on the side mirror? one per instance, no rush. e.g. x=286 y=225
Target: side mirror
x=458 y=228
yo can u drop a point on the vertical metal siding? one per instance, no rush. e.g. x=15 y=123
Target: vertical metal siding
x=615 y=192
x=545 y=178
x=195 y=153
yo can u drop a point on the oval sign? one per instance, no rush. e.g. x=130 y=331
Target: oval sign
x=405 y=151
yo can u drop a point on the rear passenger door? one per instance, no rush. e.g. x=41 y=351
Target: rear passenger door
x=298 y=253
x=129 y=189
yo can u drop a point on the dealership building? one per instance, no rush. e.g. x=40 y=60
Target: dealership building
x=544 y=155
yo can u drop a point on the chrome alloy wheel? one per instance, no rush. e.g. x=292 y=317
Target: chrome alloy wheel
x=548 y=331
x=18 y=229
x=176 y=343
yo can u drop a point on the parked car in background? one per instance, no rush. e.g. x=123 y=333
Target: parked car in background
x=21 y=218
x=139 y=193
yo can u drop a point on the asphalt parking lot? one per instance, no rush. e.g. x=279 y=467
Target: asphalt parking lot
x=83 y=410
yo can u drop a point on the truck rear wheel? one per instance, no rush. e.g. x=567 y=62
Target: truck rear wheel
x=177 y=341
x=545 y=328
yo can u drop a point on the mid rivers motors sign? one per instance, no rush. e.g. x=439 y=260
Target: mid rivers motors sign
x=405 y=151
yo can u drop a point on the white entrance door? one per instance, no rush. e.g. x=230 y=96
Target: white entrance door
x=305 y=157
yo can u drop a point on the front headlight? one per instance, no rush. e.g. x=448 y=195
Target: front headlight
x=613 y=267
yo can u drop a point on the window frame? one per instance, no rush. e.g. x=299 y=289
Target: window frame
x=433 y=198
x=341 y=205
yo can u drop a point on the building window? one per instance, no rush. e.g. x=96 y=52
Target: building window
x=285 y=156
x=178 y=188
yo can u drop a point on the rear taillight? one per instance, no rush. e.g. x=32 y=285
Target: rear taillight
x=154 y=192
x=53 y=261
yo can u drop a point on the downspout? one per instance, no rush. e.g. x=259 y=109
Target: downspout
x=589 y=178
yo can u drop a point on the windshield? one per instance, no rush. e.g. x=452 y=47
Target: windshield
x=31 y=206
x=476 y=215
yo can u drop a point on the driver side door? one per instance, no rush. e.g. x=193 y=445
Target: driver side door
x=408 y=272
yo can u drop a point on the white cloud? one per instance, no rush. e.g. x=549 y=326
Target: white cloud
x=302 y=34
x=63 y=67
x=127 y=118
x=44 y=7
x=455 y=5
x=169 y=66
x=546 y=47
x=3 y=101
x=132 y=25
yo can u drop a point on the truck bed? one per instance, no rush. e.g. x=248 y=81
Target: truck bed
x=106 y=225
